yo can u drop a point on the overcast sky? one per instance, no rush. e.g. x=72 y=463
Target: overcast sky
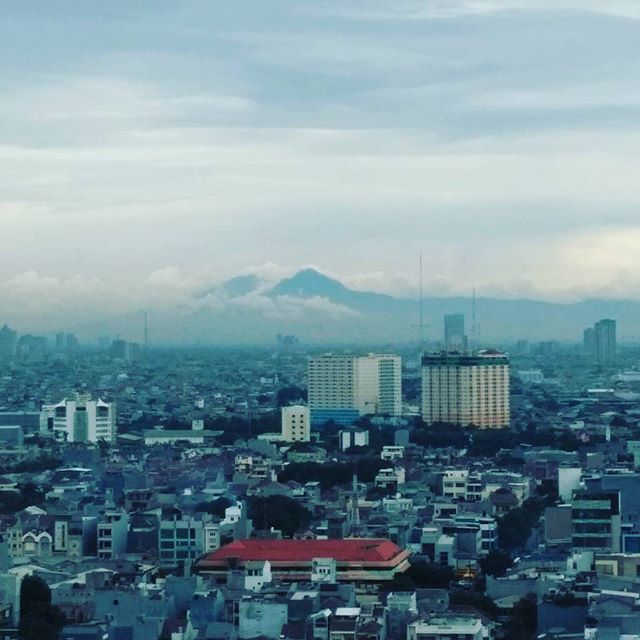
x=150 y=148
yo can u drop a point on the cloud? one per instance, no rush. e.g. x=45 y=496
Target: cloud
x=410 y=10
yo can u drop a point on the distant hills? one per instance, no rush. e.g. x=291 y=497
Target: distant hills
x=248 y=309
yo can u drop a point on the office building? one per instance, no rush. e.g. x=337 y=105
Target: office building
x=296 y=424
x=605 y=332
x=342 y=387
x=599 y=342
x=454 y=335
x=80 y=419
x=183 y=538
x=596 y=521
x=466 y=389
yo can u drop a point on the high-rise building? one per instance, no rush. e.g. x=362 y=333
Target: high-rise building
x=454 y=335
x=342 y=388
x=466 y=389
x=8 y=342
x=296 y=424
x=599 y=342
x=80 y=419
x=379 y=385
x=605 y=331
x=589 y=341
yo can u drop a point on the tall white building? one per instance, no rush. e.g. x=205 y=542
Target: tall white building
x=80 y=419
x=379 y=384
x=296 y=424
x=466 y=389
x=342 y=387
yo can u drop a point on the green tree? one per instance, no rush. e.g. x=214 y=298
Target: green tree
x=39 y=619
x=523 y=621
x=279 y=512
x=496 y=563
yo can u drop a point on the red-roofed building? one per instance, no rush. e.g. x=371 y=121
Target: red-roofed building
x=358 y=560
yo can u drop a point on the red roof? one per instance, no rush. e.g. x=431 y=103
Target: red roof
x=349 y=550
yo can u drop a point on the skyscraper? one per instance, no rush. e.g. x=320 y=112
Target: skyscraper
x=454 y=335
x=605 y=332
x=8 y=341
x=342 y=387
x=599 y=342
x=466 y=389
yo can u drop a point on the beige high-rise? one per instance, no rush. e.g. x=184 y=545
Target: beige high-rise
x=466 y=389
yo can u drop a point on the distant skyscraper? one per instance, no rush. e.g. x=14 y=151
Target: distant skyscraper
x=454 y=335
x=599 y=342
x=589 y=341
x=466 y=389
x=605 y=331
x=8 y=341
x=341 y=388
x=80 y=419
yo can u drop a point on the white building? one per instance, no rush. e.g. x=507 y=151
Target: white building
x=342 y=387
x=466 y=389
x=448 y=628
x=569 y=479
x=454 y=483
x=353 y=438
x=379 y=385
x=296 y=424
x=531 y=376
x=80 y=419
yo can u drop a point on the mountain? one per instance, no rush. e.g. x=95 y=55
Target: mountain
x=320 y=309
x=235 y=287
x=310 y=283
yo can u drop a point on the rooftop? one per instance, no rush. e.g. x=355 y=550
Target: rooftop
x=349 y=550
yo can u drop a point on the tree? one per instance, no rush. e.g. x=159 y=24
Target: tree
x=423 y=575
x=463 y=597
x=216 y=507
x=514 y=528
x=289 y=395
x=496 y=563
x=39 y=619
x=279 y=512
x=523 y=621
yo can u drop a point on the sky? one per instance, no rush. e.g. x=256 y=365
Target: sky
x=149 y=149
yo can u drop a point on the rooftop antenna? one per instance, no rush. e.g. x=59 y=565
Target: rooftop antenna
x=421 y=308
x=474 y=325
x=146 y=330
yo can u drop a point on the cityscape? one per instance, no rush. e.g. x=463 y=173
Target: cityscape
x=319 y=320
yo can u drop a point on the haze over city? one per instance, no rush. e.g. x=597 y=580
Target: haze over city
x=152 y=150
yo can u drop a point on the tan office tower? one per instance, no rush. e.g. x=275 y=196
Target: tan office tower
x=466 y=389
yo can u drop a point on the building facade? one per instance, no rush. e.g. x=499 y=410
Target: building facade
x=466 y=389
x=296 y=424
x=80 y=419
x=342 y=387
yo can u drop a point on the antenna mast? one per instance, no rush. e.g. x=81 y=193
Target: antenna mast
x=474 y=326
x=146 y=330
x=421 y=309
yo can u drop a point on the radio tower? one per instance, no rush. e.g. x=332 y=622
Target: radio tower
x=146 y=331
x=421 y=309
x=474 y=325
